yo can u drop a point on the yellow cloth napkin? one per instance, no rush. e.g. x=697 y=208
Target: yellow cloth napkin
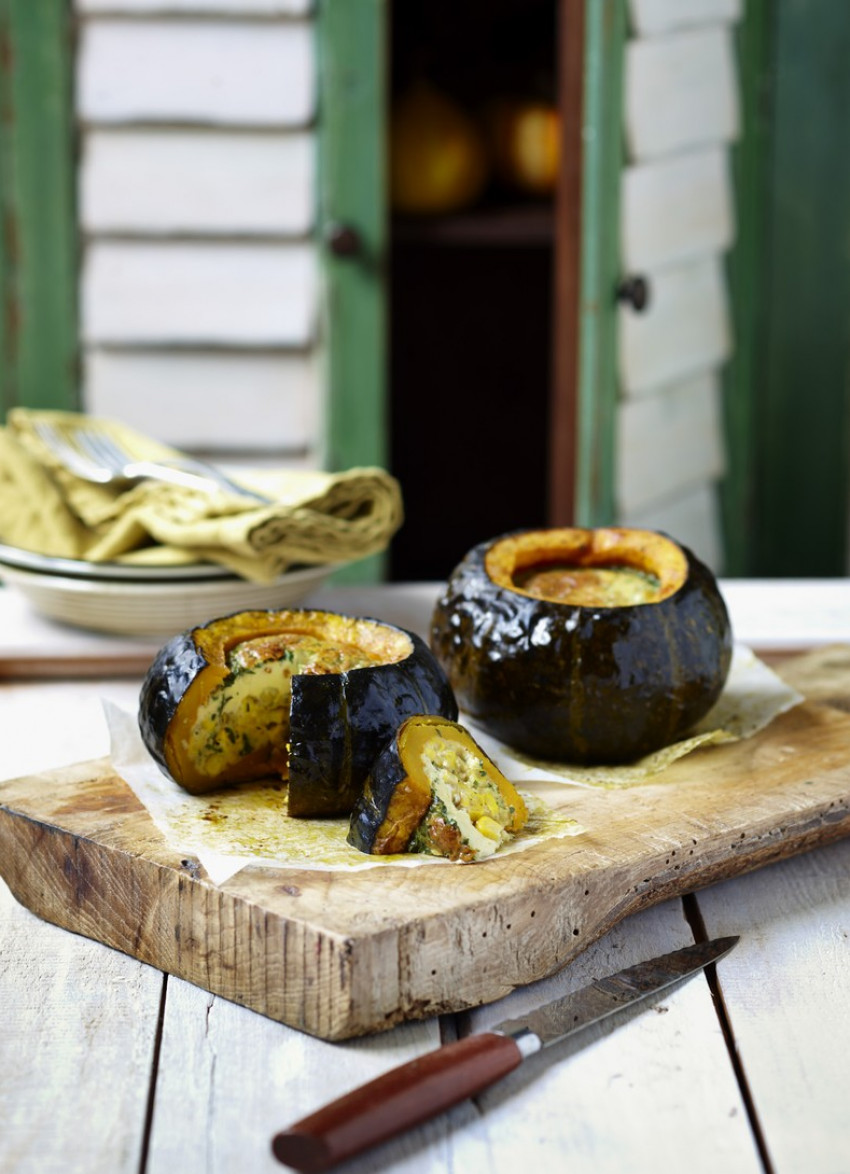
x=314 y=518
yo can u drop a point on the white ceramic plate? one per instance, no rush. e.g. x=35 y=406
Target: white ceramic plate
x=154 y=607
x=29 y=560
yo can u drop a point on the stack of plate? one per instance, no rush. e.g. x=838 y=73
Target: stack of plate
x=144 y=601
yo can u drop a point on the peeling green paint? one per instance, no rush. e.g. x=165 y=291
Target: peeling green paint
x=38 y=250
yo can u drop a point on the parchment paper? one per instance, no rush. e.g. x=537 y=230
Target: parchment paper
x=248 y=825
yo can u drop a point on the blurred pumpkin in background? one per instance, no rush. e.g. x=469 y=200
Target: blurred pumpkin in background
x=438 y=153
x=525 y=142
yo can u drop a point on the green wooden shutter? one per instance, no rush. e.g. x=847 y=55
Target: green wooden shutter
x=744 y=271
x=787 y=390
x=38 y=251
x=803 y=393
x=602 y=163
x=352 y=195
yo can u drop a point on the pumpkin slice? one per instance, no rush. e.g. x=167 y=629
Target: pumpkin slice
x=583 y=645
x=434 y=790
x=311 y=696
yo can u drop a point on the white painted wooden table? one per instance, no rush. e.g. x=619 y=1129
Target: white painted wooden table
x=107 y=1065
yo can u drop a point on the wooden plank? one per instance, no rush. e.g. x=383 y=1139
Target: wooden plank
x=353 y=194
x=692 y=517
x=228 y=400
x=668 y=442
x=648 y=18
x=83 y=730
x=684 y=329
x=196 y=182
x=199 y=293
x=600 y=263
x=38 y=249
x=595 y=1102
x=240 y=73
x=676 y=209
x=802 y=484
x=250 y=1078
x=803 y=613
x=793 y=921
x=341 y=954
x=680 y=92
x=78 y=1017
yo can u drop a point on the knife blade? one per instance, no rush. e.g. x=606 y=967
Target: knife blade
x=414 y=1092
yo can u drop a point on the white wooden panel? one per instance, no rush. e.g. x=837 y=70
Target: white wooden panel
x=680 y=91
x=239 y=73
x=604 y=1102
x=794 y=922
x=83 y=1016
x=74 y=1011
x=692 y=518
x=650 y=17
x=229 y=7
x=249 y=1077
x=676 y=208
x=199 y=293
x=684 y=329
x=197 y=181
x=669 y=441
x=266 y=402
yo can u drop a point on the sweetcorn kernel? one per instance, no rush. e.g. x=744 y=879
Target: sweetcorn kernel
x=489 y=828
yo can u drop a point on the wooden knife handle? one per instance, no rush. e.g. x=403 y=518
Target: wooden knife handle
x=399 y=1100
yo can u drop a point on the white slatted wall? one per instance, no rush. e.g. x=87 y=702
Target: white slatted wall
x=199 y=285
x=677 y=221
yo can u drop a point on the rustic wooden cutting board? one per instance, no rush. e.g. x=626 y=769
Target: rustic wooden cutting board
x=342 y=954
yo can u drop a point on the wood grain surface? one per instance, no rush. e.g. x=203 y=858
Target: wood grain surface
x=339 y=955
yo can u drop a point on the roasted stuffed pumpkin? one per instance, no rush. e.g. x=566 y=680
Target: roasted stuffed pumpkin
x=311 y=696
x=583 y=645
x=434 y=790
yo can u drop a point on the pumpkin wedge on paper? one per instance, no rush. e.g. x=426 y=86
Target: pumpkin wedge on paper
x=434 y=790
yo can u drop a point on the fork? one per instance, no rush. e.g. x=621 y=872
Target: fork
x=95 y=456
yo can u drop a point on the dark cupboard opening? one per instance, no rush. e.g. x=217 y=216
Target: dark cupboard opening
x=471 y=279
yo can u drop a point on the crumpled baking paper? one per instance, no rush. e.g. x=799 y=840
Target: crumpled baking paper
x=231 y=829
x=753 y=696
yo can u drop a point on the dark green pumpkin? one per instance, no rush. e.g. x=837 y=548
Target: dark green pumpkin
x=589 y=682
x=337 y=722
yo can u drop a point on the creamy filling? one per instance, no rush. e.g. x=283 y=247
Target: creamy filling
x=620 y=586
x=248 y=714
x=468 y=815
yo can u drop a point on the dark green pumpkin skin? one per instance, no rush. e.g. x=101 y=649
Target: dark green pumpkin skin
x=370 y=809
x=339 y=722
x=582 y=684
x=174 y=668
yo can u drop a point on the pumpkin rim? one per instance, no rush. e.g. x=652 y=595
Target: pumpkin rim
x=648 y=552
x=214 y=640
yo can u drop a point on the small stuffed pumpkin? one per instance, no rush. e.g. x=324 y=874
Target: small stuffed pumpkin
x=582 y=645
x=434 y=790
x=312 y=696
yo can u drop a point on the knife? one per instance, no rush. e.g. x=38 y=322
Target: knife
x=412 y=1093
